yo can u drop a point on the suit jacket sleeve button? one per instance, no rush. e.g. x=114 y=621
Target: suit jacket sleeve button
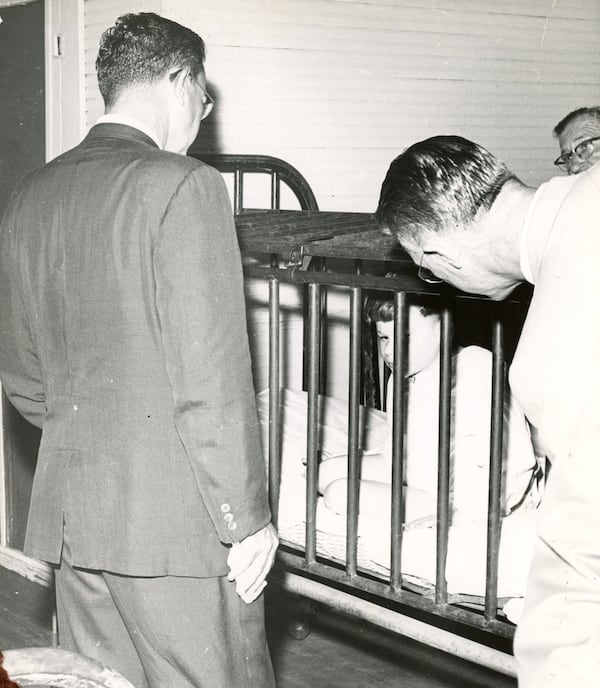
x=225 y=508
x=228 y=518
x=232 y=525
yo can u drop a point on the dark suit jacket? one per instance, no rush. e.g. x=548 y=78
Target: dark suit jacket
x=123 y=335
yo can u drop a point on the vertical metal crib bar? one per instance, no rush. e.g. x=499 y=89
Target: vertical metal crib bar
x=398 y=420
x=441 y=592
x=324 y=343
x=314 y=355
x=352 y=498
x=274 y=386
x=495 y=492
x=238 y=191
x=275 y=190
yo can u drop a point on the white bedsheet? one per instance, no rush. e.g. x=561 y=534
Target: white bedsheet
x=466 y=561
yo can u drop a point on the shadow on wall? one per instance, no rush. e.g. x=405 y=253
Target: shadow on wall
x=208 y=139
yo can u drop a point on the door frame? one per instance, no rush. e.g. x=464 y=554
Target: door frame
x=65 y=75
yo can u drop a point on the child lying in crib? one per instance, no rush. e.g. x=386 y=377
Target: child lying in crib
x=470 y=432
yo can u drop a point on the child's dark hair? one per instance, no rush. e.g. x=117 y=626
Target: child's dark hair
x=380 y=308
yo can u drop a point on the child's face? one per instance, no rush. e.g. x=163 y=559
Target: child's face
x=423 y=340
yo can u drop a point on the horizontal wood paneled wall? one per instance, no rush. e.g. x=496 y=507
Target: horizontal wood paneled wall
x=339 y=87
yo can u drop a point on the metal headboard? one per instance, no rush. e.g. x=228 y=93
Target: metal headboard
x=279 y=171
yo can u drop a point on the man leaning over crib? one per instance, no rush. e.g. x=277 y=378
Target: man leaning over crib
x=466 y=219
x=122 y=327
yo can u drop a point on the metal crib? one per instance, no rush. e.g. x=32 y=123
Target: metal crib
x=320 y=250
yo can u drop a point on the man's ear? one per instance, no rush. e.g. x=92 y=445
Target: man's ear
x=179 y=83
x=444 y=248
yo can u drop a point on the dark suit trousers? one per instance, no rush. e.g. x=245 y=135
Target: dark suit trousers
x=163 y=632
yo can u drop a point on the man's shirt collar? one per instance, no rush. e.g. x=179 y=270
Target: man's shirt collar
x=129 y=122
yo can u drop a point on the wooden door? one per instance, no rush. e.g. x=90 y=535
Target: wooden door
x=22 y=148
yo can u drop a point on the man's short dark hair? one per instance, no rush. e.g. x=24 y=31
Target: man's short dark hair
x=593 y=111
x=437 y=184
x=142 y=48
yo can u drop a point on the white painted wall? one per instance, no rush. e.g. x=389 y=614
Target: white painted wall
x=339 y=87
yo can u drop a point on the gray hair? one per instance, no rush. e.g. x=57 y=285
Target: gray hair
x=593 y=112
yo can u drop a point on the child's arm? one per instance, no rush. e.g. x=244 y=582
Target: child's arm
x=372 y=467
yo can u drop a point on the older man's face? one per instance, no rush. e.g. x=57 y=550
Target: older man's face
x=576 y=133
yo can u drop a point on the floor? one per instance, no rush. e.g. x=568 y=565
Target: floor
x=337 y=652
x=347 y=652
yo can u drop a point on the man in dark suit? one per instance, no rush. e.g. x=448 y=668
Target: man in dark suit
x=123 y=337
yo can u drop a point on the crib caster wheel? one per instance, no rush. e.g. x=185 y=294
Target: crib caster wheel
x=299 y=628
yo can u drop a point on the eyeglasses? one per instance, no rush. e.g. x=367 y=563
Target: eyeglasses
x=208 y=102
x=582 y=150
x=425 y=274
